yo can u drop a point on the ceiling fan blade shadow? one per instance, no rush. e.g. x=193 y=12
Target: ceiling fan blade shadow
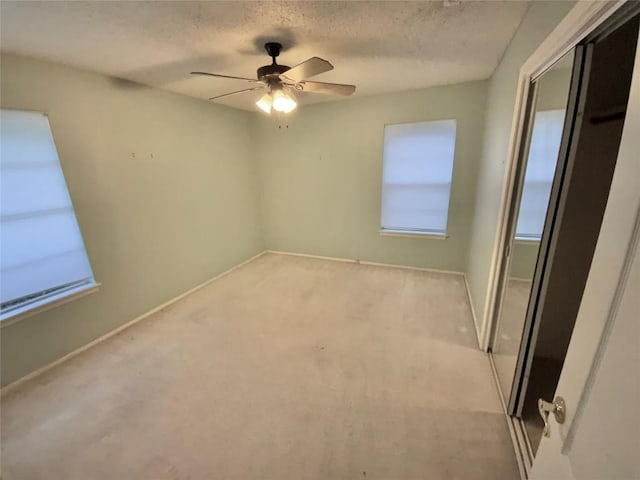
x=225 y=76
x=325 y=88
x=237 y=91
x=306 y=69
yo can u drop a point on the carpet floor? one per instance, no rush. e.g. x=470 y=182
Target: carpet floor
x=288 y=368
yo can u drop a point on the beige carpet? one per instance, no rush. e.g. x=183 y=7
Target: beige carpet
x=287 y=369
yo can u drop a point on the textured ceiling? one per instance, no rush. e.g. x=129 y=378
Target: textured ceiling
x=378 y=46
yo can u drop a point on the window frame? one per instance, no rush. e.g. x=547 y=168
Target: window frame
x=417 y=232
x=54 y=299
x=39 y=302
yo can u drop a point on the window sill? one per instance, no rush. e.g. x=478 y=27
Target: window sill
x=413 y=234
x=526 y=241
x=48 y=303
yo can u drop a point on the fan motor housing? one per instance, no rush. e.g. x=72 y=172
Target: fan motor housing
x=272 y=70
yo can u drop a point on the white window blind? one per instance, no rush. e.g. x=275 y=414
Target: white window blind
x=416 y=183
x=541 y=165
x=42 y=254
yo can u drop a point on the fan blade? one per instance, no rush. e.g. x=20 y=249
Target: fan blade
x=224 y=76
x=306 y=69
x=237 y=91
x=326 y=88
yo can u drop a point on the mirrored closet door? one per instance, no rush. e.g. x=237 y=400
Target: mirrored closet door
x=548 y=106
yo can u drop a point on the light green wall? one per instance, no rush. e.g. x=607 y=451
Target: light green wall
x=540 y=20
x=321 y=176
x=156 y=224
x=523 y=259
x=553 y=89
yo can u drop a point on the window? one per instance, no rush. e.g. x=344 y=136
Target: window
x=42 y=255
x=541 y=165
x=416 y=176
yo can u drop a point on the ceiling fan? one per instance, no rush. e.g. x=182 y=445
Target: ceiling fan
x=281 y=81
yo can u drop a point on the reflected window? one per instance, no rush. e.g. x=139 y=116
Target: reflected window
x=541 y=165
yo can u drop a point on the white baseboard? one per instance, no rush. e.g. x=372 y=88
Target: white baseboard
x=518 y=279
x=473 y=311
x=308 y=255
x=366 y=262
x=11 y=386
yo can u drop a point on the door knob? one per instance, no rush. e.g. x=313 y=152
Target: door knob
x=558 y=408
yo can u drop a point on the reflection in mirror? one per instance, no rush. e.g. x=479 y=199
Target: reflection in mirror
x=544 y=145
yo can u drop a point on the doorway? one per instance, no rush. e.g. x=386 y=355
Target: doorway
x=576 y=111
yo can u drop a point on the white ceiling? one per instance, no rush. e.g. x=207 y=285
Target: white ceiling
x=378 y=46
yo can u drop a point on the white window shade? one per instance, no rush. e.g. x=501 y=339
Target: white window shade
x=541 y=165
x=41 y=249
x=418 y=165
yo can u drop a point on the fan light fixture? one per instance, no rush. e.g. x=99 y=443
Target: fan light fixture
x=283 y=102
x=277 y=100
x=265 y=103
